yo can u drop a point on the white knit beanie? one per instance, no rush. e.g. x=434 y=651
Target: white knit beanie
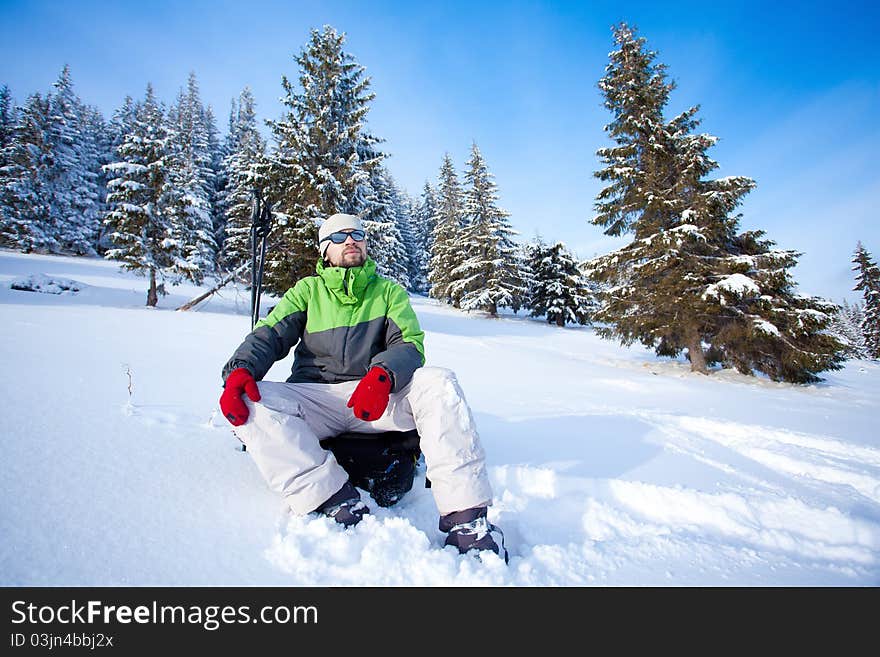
x=335 y=223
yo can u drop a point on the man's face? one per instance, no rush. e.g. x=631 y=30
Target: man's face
x=347 y=254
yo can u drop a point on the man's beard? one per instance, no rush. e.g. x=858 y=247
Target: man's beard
x=352 y=259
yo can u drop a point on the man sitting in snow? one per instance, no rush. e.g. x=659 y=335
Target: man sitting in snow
x=358 y=367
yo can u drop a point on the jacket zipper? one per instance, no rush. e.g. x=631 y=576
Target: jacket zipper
x=347 y=328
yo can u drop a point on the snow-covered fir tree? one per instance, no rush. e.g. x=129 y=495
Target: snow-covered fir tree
x=7 y=118
x=25 y=201
x=383 y=222
x=846 y=327
x=96 y=150
x=8 y=122
x=689 y=278
x=447 y=251
x=423 y=215
x=219 y=180
x=190 y=182
x=404 y=210
x=142 y=200
x=868 y=283
x=324 y=154
x=526 y=276
x=221 y=202
x=492 y=273
x=121 y=125
x=245 y=167
x=557 y=288
x=63 y=136
x=72 y=186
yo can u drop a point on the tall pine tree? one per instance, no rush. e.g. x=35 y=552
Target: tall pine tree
x=143 y=201
x=119 y=127
x=324 y=155
x=447 y=251
x=492 y=274
x=191 y=184
x=405 y=209
x=26 y=222
x=72 y=185
x=96 y=150
x=423 y=215
x=245 y=166
x=7 y=128
x=7 y=132
x=219 y=180
x=868 y=283
x=689 y=278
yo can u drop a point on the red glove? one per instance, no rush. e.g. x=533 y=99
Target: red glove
x=370 y=398
x=238 y=382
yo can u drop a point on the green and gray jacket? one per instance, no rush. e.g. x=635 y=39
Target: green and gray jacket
x=346 y=320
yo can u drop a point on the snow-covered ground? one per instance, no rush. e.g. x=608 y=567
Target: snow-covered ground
x=610 y=467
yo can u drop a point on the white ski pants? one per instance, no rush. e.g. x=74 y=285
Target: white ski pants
x=284 y=428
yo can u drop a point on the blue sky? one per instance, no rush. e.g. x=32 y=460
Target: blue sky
x=792 y=90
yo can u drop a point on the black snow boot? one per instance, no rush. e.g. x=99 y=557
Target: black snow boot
x=345 y=506
x=471 y=531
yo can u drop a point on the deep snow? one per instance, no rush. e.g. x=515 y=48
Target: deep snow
x=610 y=467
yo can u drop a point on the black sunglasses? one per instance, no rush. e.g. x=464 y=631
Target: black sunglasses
x=339 y=237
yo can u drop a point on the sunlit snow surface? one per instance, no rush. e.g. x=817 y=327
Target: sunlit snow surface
x=610 y=466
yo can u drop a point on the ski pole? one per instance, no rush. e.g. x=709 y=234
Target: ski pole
x=255 y=218
x=265 y=220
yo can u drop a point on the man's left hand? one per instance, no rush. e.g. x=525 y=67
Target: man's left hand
x=370 y=399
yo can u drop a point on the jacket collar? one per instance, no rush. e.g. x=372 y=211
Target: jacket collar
x=347 y=283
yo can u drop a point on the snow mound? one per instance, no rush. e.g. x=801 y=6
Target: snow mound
x=46 y=284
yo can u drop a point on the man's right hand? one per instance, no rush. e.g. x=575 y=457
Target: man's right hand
x=239 y=382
